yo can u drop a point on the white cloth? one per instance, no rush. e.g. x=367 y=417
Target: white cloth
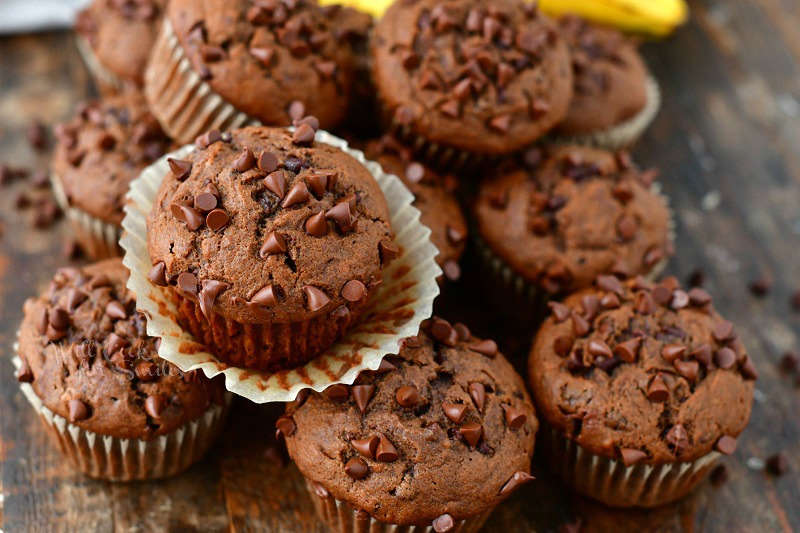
x=20 y=16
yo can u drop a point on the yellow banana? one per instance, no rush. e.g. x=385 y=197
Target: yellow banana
x=653 y=17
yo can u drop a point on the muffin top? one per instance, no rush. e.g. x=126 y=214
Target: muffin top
x=486 y=77
x=610 y=77
x=564 y=214
x=395 y=444
x=433 y=196
x=88 y=358
x=272 y=59
x=643 y=372
x=264 y=225
x=121 y=34
x=102 y=149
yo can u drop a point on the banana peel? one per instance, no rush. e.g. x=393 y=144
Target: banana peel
x=657 y=18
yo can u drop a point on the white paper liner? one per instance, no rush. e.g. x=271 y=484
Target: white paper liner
x=611 y=482
x=184 y=104
x=400 y=304
x=99 y=239
x=625 y=134
x=107 y=82
x=529 y=292
x=116 y=459
x=341 y=517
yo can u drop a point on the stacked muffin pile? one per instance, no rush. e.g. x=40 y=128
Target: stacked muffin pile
x=272 y=245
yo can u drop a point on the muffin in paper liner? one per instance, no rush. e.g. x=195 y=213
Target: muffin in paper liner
x=107 y=82
x=524 y=293
x=612 y=483
x=115 y=459
x=341 y=517
x=97 y=238
x=622 y=135
x=184 y=104
x=400 y=304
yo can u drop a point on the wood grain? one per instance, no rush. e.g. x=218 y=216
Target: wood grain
x=727 y=144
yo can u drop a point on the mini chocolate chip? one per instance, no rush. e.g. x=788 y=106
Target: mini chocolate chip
x=386 y=452
x=59 y=319
x=454 y=411
x=723 y=331
x=267 y=161
x=303 y=134
x=632 y=456
x=687 y=369
x=179 y=168
x=748 y=369
x=627 y=227
x=680 y=299
x=671 y=352
x=315 y=298
x=702 y=354
x=678 y=438
x=725 y=358
x=407 y=396
x=719 y=475
x=501 y=123
x=560 y=311
x=443 y=524
x=338 y=392
x=298 y=194
x=266 y=296
x=209 y=291
x=515 y=418
x=158 y=274
x=276 y=183
x=726 y=445
x=471 y=432
x=187 y=282
x=761 y=286
x=657 y=390
x=388 y=251
x=264 y=55
x=205 y=201
x=580 y=325
x=297 y=110
x=286 y=426
x=485 y=347
x=75 y=297
x=154 y=405
x=191 y=216
x=362 y=395
x=78 y=410
x=24 y=373
x=217 y=219
x=662 y=295
x=777 y=464
x=516 y=480
x=563 y=346
x=356 y=468
x=789 y=361
x=478 y=393
x=273 y=244
x=115 y=309
x=366 y=447
x=599 y=348
x=699 y=297
x=354 y=291
x=316 y=225
x=628 y=350
x=207 y=139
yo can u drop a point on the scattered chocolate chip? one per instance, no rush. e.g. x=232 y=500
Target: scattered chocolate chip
x=563 y=346
x=443 y=524
x=207 y=139
x=315 y=298
x=478 y=393
x=777 y=464
x=725 y=358
x=789 y=361
x=187 y=282
x=688 y=369
x=362 y=395
x=628 y=350
x=516 y=480
x=205 y=201
x=273 y=244
x=699 y=297
x=719 y=475
x=407 y=396
x=298 y=194
x=761 y=286
x=356 y=468
x=77 y=410
x=263 y=55
x=354 y=291
x=632 y=456
x=286 y=426
x=154 y=405
x=747 y=369
x=599 y=348
x=115 y=309
x=276 y=183
x=657 y=390
x=702 y=354
x=678 y=438
x=471 y=432
x=671 y=352
x=266 y=296
x=723 y=331
x=580 y=325
x=388 y=252
x=341 y=215
x=366 y=447
x=268 y=162
x=485 y=347
x=726 y=445
x=515 y=418
x=303 y=135
x=24 y=373
x=454 y=411
x=209 y=291
x=192 y=217
x=217 y=219
x=180 y=169
x=338 y=392
x=386 y=452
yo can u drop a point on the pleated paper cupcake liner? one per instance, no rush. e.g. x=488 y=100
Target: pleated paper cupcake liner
x=181 y=101
x=341 y=517
x=107 y=82
x=394 y=311
x=623 y=135
x=614 y=484
x=116 y=459
x=522 y=292
x=97 y=238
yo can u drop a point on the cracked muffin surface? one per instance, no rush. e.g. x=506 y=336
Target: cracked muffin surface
x=86 y=354
x=561 y=215
x=643 y=372
x=445 y=427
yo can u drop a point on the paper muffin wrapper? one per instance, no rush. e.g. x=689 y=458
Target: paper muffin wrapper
x=107 y=82
x=116 y=459
x=510 y=284
x=341 y=517
x=614 y=484
x=184 y=104
x=394 y=312
x=622 y=135
x=97 y=238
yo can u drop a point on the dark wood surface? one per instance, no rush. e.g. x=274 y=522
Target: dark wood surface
x=728 y=144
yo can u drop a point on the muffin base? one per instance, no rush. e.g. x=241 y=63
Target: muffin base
x=616 y=485
x=97 y=238
x=184 y=104
x=108 y=83
x=341 y=517
x=115 y=459
x=622 y=135
x=268 y=347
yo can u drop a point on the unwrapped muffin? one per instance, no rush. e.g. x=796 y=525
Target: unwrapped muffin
x=642 y=386
x=272 y=244
x=436 y=438
x=116 y=410
x=97 y=154
x=463 y=80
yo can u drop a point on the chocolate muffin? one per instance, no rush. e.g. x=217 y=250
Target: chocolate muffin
x=97 y=154
x=642 y=386
x=615 y=98
x=392 y=450
x=116 y=410
x=552 y=221
x=221 y=64
x=271 y=243
x=461 y=77
x=115 y=38
x=433 y=196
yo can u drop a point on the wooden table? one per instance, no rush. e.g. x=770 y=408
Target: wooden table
x=728 y=144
